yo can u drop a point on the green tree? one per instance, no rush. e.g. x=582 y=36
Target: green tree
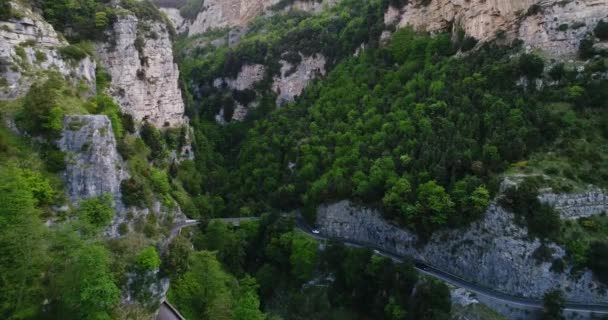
x=303 y=256
x=97 y=211
x=101 y=20
x=433 y=205
x=5 y=10
x=175 y=258
x=397 y=197
x=601 y=30
x=431 y=301
x=531 y=65
x=41 y=112
x=598 y=260
x=86 y=286
x=40 y=187
x=229 y=247
x=147 y=259
x=553 y=305
x=394 y=310
x=247 y=303
x=23 y=253
x=204 y=292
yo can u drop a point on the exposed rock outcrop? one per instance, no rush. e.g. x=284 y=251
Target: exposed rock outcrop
x=29 y=47
x=144 y=75
x=217 y=14
x=578 y=205
x=246 y=79
x=536 y=22
x=494 y=251
x=94 y=167
x=179 y=23
x=288 y=85
x=294 y=79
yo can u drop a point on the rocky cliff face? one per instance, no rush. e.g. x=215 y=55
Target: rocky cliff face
x=144 y=75
x=494 y=251
x=551 y=25
x=94 y=167
x=288 y=85
x=294 y=79
x=217 y=14
x=29 y=47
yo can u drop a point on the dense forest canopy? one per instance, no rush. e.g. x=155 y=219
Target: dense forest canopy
x=422 y=127
x=407 y=126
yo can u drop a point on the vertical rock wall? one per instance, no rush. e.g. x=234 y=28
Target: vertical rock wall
x=217 y=14
x=294 y=79
x=29 y=47
x=493 y=251
x=139 y=57
x=93 y=166
x=538 y=23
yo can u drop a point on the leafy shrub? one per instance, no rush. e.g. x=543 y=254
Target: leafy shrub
x=97 y=211
x=128 y=123
x=20 y=52
x=39 y=186
x=601 y=30
x=76 y=52
x=133 y=193
x=557 y=72
x=541 y=219
x=153 y=139
x=104 y=104
x=598 y=260
x=144 y=10
x=468 y=43
x=102 y=79
x=5 y=10
x=585 y=49
x=553 y=305
x=41 y=113
x=54 y=159
x=85 y=19
x=531 y=65
x=191 y=9
x=40 y=56
x=160 y=181
x=147 y=259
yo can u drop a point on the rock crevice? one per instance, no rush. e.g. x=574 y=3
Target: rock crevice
x=144 y=76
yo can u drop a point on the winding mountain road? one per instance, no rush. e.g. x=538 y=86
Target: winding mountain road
x=424 y=268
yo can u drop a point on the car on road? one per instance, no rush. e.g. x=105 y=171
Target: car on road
x=376 y=251
x=315 y=231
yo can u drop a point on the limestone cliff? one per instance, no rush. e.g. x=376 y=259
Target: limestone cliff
x=294 y=79
x=494 y=251
x=29 y=47
x=144 y=75
x=287 y=85
x=217 y=14
x=551 y=25
x=93 y=166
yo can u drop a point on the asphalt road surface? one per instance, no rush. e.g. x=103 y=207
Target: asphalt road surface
x=426 y=269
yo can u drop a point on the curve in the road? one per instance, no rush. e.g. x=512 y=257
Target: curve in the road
x=429 y=270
